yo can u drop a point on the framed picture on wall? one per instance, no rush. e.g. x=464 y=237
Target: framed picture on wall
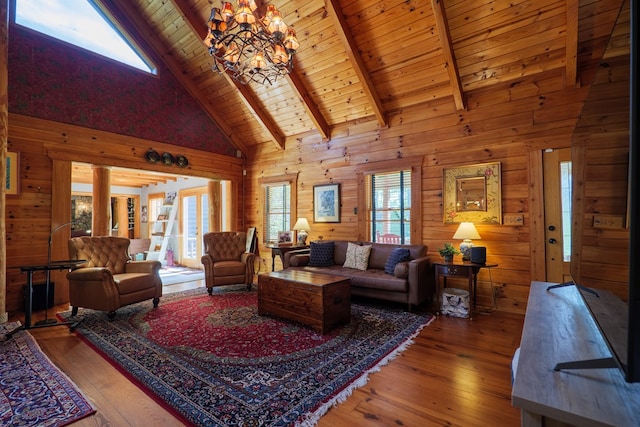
x=326 y=203
x=12 y=184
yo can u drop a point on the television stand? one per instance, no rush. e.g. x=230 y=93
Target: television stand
x=558 y=326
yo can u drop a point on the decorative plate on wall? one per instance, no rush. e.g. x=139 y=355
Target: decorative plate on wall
x=167 y=159
x=152 y=156
x=182 y=161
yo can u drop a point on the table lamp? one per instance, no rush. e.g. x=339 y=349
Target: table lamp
x=302 y=226
x=466 y=231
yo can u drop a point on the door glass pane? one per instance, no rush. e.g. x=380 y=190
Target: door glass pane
x=565 y=182
x=204 y=219
x=190 y=226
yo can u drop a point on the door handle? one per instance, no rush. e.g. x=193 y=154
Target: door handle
x=553 y=241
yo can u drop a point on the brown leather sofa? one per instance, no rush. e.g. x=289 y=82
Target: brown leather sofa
x=109 y=279
x=226 y=261
x=414 y=287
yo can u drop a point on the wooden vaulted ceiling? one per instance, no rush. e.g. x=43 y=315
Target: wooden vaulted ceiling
x=359 y=60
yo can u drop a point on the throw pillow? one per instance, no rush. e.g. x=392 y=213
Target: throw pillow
x=357 y=256
x=321 y=254
x=402 y=270
x=397 y=255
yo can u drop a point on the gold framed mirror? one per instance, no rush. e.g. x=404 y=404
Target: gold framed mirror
x=472 y=194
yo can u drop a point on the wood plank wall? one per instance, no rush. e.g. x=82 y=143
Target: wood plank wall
x=30 y=216
x=504 y=124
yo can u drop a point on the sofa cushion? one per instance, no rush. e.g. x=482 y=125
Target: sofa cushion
x=321 y=254
x=357 y=256
x=397 y=255
x=402 y=270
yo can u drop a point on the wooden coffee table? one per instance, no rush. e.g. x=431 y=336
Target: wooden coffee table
x=318 y=300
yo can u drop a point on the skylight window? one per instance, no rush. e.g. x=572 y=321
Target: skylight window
x=82 y=23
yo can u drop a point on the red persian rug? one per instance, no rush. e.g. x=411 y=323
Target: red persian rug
x=215 y=362
x=33 y=391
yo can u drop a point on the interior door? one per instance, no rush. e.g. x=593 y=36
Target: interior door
x=194 y=223
x=557 y=213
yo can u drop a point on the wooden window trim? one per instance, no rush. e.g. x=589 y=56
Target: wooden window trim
x=413 y=163
x=290 y=179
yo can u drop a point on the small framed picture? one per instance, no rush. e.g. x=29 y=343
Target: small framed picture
x=285 y=237
x=12 y=184
x=162 y=217
x=326 y=203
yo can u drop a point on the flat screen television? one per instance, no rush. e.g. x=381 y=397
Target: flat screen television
x=618 y=322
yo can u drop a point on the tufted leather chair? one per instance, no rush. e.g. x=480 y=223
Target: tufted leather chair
x=109 y=279
x=225 y=260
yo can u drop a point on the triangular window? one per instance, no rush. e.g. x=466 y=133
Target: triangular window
x=82 y=23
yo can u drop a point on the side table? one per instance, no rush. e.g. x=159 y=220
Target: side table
x=30 y=269
x=458 y=269
x=280 y=250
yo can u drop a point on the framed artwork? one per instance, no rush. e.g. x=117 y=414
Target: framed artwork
x=326 y=203
x=144 y=217
x=171 y=197
x=472 y=194
x=252 y=240
x=285 y=237
x=12 y=184
x=162 y=217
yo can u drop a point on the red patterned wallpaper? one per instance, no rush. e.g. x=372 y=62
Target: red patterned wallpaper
x=53 y=80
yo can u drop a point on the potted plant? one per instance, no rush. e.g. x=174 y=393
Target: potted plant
x=448 y=251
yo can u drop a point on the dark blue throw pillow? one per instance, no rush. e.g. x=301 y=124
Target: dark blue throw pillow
x=321 y=254
x=397 y=255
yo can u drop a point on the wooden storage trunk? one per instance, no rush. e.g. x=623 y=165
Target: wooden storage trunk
x=314 y=299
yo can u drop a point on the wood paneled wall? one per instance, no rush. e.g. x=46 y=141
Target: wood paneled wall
x=46 y=149
x=504 y=125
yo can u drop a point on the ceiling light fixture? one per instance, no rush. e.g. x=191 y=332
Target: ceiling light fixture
x=248 y=47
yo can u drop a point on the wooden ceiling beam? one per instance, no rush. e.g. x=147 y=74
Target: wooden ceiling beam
x=447 y=50
x=572 y=42
x=297 y=85
x=192 y=18
x=176 y=69
x=351 y=48
x=301 y=92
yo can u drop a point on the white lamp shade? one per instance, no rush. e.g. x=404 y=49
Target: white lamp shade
x=466 y=230
x=302 y=224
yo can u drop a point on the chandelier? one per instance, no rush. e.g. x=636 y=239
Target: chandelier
x=248 y=47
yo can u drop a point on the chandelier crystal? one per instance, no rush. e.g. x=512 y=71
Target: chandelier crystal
x=249 y=47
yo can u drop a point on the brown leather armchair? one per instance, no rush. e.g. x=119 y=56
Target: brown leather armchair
x=225 y=260
x=109 y=279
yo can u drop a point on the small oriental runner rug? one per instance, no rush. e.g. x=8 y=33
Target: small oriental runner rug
x=213 y=361
x=33 y=391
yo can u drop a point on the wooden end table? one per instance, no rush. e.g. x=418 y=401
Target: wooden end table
x=280 y=250
x=458 y=269
x=318 y=300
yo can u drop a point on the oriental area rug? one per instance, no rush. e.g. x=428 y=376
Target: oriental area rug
x=213 y=361
x=33 y=391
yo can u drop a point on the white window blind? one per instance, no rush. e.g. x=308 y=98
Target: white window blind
x=277 y=210
x=389 y=206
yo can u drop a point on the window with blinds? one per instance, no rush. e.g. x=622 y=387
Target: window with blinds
x=388 y=198
x=277 y=210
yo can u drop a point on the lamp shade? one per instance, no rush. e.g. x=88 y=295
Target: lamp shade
x=303 y=224
x=466 y=230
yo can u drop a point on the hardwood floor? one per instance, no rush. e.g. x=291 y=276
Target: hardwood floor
x=457 y=373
